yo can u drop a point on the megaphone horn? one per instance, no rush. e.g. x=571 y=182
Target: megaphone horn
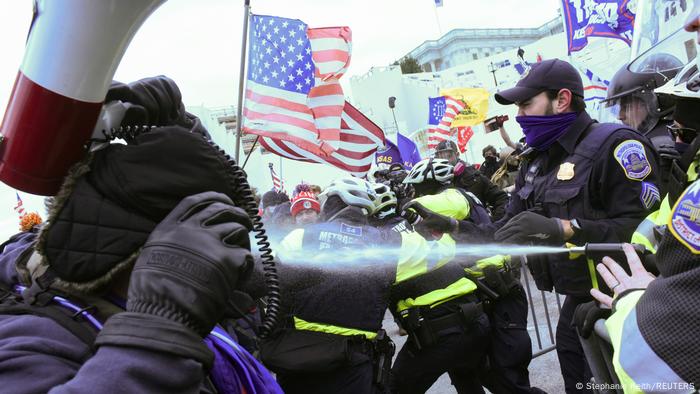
x=72 y=53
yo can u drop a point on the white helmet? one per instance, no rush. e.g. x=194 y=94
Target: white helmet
x=439 y=170
x=353 y=191
x=386 y=201
x=685 y=84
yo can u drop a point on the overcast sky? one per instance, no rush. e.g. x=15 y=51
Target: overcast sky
x=198 y=43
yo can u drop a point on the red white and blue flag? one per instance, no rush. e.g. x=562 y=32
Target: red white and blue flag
x=442 y=131
x=19 y=208
x=277 y=182
x=359 y=139
x=292 y=89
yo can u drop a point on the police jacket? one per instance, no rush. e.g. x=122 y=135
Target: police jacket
x=492 y=197
x=651 y=229
x=433 y=274
x=654 y=331
x=605 y=176
x=327 y=284
x=662 y=140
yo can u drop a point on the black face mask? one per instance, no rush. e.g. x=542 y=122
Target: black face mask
x=490 y=159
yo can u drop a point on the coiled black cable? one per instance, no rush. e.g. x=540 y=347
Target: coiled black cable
x=246 y=200
x=270 y=270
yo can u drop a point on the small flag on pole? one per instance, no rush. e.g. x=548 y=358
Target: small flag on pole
x=277 y=182
x=19 y=208
x=464 y=134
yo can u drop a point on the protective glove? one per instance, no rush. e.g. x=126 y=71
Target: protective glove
x=668 y=152
x=427 y=220
x=184 y=278
x=496 y=281
x=154 y=101
x=586 y=315
x=528 y=227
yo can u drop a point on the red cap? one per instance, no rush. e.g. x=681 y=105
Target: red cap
x=305 y=200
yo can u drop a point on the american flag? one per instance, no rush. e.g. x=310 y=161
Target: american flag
x=359 y=139
x=19 y=208
x=292 y=89
x=277 y=182
x=442 y=132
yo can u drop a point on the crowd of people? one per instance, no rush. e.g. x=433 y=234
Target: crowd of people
x=570 y=180
x=142 y=277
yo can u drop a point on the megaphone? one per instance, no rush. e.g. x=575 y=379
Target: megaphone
x=72 y=53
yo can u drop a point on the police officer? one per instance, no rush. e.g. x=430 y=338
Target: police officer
x=581 y=182
x=334 y=300
x=632 y=100
x=496 y=277
x=432 y=299
x=472 y=180
x=685 y=89
x=654 y=329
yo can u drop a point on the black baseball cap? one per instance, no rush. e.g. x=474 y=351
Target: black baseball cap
x=551 y=74
x=446 y=145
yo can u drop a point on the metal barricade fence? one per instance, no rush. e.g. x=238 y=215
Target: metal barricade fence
x=542 y=306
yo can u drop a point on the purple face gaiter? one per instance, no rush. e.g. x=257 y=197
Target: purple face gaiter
x=542 y=131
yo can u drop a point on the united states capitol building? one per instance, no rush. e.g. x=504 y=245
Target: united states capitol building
x=485 y=58
x=461 y=46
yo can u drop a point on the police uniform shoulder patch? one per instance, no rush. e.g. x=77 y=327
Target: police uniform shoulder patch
x=650 y=195
x=684 y=222
x=633 y=158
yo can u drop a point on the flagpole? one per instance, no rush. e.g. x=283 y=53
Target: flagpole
x=437 y=19
x=250 y=153
x=241 y=78
x=281 y=175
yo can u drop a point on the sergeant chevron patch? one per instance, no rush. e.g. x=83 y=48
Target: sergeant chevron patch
x=650 y=195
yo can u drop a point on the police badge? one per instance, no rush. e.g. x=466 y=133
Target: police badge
x=684 y=222
x=566 y=171
x=633 y=158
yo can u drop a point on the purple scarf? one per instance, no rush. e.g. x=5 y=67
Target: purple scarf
x=542 y=131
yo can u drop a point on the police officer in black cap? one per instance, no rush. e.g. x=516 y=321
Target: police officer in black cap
x=581 y=182
x=470 y=179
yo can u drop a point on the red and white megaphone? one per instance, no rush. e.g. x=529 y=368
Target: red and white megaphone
x=72 y=53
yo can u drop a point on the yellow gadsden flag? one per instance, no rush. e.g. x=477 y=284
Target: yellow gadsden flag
x=476 y=105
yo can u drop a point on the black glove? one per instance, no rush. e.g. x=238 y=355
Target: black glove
x=428 y=221
x=528 y=227
x=496 y=281
x=154 y=101
x=586 y=315
x=668 y=152
x=184 y=278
